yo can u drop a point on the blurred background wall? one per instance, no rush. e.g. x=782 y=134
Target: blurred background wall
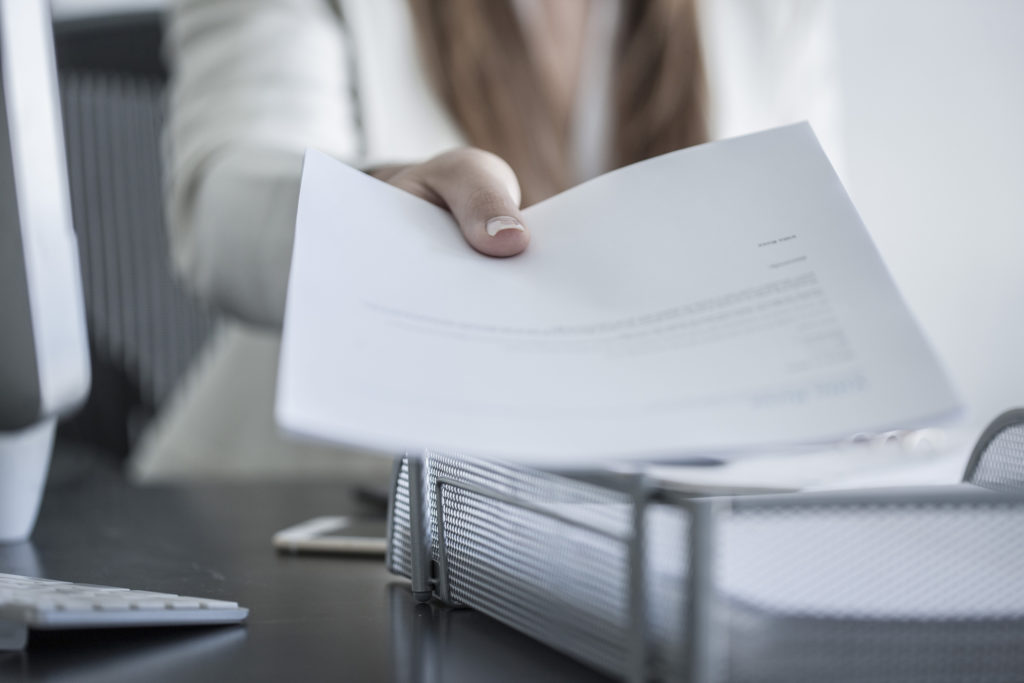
x=934 y=160
x=934 y=106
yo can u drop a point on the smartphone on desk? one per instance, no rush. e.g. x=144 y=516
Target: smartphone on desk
x=365 y=536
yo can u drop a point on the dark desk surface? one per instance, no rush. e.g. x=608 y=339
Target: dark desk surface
x=312 y=618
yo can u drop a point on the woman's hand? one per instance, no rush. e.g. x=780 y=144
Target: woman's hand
x=479 y=188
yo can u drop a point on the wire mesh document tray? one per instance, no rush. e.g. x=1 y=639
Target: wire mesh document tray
x=645 y=584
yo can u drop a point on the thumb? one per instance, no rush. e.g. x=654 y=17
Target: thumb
x=482 y=192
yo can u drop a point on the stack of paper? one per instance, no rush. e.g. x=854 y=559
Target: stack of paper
x=725 y=298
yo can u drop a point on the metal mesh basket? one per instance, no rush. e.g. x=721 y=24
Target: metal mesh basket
x=998 y=460
x=867 y=587
x=644 y=583
x=545 y=554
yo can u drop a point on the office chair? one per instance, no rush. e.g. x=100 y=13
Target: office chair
x=997 y=462
x=144 y=329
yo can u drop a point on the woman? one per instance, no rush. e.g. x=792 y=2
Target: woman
x=477 y=105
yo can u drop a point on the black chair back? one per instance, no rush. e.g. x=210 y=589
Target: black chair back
x=144 y=328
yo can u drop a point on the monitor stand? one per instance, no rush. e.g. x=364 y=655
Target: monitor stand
x=24 y=462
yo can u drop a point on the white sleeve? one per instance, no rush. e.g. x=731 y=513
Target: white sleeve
x=254 y=83
x=769 y=63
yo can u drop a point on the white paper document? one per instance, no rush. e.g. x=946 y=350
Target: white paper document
x=721 y=298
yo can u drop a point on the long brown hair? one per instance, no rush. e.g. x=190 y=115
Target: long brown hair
x=478 y=57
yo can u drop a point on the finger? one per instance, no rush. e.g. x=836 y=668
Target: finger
x=482 y=192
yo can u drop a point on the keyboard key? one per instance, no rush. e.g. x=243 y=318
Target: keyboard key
x=97 y=589
x=113 y=605
x=151 y=594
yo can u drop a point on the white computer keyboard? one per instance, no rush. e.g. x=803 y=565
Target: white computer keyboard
x=44 y=604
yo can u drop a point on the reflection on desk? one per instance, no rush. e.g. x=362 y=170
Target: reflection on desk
x=434 y=643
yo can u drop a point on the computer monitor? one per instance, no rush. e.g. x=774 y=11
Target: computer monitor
x=44 y=357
